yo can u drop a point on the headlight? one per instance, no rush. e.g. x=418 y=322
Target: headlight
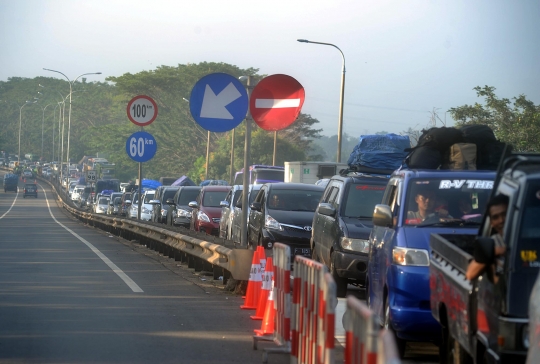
x=271 y=223
x=357 y=245
x=183 y=213
x=202 y=216
x=145 y=210
x=414 y=257
x=525 y=336
x=163 y=212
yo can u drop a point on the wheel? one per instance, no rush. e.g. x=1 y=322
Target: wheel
x=450 y=350
x=341 y=283
x=400 y=343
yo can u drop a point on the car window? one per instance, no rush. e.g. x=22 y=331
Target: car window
x=103 y=201
x=186 y=196
x=168 y=194
x=361 y=200
x=237 y=195
x=294 y=200
x=213 y=198
x=149 y=197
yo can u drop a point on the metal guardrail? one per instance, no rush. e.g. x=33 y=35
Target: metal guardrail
x=224 y=260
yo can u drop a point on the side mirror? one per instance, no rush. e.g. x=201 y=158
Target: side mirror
x=382 y=216
x=193 y=205
x=170 y=202
x=326 y=209
x=224 y=204
x=484 y=250
x=256 y=206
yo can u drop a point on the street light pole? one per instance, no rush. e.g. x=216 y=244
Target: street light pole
x=341 y=95
x=42 y=124
x=20 y=126
x=69 y=113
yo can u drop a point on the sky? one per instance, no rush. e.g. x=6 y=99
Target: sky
x=404 y=59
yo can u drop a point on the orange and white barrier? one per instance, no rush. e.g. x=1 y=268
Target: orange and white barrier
x=361 y=330
x=313 y=313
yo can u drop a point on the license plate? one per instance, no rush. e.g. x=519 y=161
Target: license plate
x=306 y=252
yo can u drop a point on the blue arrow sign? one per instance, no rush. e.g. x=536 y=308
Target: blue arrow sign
x=218 y=102
x=141 y=146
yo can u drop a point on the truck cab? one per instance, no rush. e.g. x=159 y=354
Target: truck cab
x=486 y=320
x=417 y=203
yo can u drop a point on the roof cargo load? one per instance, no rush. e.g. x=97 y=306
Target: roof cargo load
x=380 y=151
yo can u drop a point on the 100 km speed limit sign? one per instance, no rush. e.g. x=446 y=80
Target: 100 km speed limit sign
x=141 y=146
x=142 y=110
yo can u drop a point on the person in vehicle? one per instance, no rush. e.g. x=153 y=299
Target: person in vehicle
x=275 y=202
x=428 y=205
x=496 y=210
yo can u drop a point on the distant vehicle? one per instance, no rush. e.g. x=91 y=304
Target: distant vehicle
x=30 y=189
x=102 y=205
x=260 y=174
x=27 y=173
x=236 y=230
x=160 y=207
x=283 y=212
x=311 y=172
x=227 y=211
x=146 y=207
x=113 y=196
x=109 y=184
x=179 y=213
x=114 y=206
x=206 y=212
x=11 y=181
x=125 y=202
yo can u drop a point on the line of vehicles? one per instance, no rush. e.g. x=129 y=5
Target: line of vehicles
x=407 y=236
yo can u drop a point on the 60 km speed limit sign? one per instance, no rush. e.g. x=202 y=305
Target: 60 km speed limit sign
x=141 y=146
x=142 y=110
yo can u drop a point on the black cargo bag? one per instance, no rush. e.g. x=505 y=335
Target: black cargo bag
x=478 y=134
x=440 y=138
x=424 y=157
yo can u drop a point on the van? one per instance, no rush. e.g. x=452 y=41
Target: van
x=260 y=174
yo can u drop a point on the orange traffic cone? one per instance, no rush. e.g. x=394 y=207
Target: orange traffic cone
x=267 y=278
x=262 y=260
x=254 y=284
x=267 y=327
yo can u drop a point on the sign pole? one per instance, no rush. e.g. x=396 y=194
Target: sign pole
x=140 y=191
x=275 y=144
x=232 y=158
x=207 y=155
x=247 y=157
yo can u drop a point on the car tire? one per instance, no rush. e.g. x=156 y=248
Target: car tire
x=400 y=343
x=341 y=283
x=451 y=351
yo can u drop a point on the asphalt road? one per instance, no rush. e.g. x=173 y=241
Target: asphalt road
x=70 y=293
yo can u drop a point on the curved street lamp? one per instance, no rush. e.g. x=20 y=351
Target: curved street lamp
x=69 y=113
x=341 y=96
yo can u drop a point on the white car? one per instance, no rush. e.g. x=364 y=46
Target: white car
x=77 y=191
x=147 y=207
x=102 y=205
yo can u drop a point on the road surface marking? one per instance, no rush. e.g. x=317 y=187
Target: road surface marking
x=131 y=284
x=13 y=204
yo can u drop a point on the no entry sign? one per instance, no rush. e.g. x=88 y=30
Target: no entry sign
x=142 y=110
x=276 y=102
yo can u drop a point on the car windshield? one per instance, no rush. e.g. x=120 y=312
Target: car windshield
x=213 y=198
x=361 y=200
x=294 y=200
x=186 y=196
x=168 y=194
x=438 y=201
x=149 y=197
x=103 y=201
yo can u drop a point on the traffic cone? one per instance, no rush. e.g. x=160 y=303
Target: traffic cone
x=267 y=278
x=262 y=260
x=267 y=327
x=254 y=284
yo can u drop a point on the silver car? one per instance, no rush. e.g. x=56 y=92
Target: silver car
x=236 y=230
x=102 y=205
x=227 y=212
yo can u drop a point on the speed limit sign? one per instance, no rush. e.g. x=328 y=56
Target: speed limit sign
x=142 y=110
x=91 y=176
x=141 y=146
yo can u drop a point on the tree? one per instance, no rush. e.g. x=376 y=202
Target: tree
x=516 y=123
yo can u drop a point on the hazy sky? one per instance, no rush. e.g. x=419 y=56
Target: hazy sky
x=404 y=58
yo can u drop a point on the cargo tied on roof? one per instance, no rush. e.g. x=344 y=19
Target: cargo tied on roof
x=380 y=151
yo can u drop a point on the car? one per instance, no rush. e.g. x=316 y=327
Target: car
x=30 y=189
x=114 y=207
x=206 y=212
x=180 y=213
x=27 y=173
x=227 y=211
x=260 y=174
x=133 y=209
x=11 y=182
x=76 y=193
x=236 y=230
x=85 y=196
x=283 y=212
x=146 y=207
x=102 y=205
x=111 y=208
x=125 y=202
x=160 y=207
x=342 y=224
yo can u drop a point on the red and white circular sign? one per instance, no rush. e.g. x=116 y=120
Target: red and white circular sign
x=276 y=102
x=142 y=110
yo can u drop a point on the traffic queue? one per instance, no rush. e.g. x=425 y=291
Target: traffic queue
x=407 y=233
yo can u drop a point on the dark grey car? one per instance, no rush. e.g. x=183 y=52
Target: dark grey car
x=179 y=213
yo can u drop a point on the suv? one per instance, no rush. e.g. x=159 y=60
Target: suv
x=342 y=224
x=179 y=213
x=30 y=189
x=160 y=207
x=283 y=212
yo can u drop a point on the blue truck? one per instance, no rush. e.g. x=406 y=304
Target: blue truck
x=11 y=181
x=416 y=204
